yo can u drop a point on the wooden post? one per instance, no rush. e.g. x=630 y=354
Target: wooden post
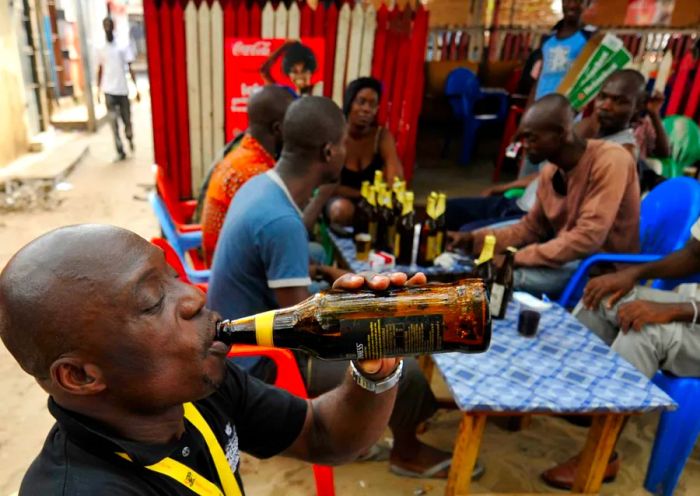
x=465 y=453
x=601 y=441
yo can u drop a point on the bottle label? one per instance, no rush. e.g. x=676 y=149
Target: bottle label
x=397 y=245
x=394 y=336
x=497 y=293
x=439 y=238
x=431 y=248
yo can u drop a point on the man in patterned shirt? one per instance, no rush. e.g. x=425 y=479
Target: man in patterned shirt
x=255 y=155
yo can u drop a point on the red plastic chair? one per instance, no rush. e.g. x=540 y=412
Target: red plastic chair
x=174 y=261
x=288 y=375
x=289 y=378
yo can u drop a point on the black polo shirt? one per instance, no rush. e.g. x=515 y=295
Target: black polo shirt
x=78 y=457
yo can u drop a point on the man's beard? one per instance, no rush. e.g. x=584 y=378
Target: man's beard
x=110 y=37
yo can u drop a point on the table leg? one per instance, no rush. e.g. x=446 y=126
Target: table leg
x=465 y=453
x=602 y=437
x=427 y=365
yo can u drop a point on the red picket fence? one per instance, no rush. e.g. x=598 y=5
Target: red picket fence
x=185 y=135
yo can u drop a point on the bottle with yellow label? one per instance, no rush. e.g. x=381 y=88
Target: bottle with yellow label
x=352 y=325
x=403 y=244
x=440 y=224
x=426 y=246
x=484 y=264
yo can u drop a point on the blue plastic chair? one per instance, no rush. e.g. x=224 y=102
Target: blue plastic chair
x=667 y=214
x=676 y=434
x=463 y=92
x=181 y=242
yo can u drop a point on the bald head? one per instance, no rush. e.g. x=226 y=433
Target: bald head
x=547 y=128
x=268 y=106
x=53 y=290
x=553 y=110
x=629 y=80
x=312 y=122
x=620 y=98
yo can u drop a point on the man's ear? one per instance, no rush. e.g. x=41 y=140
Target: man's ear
x=327 y=152
x=75 y=377
x=276 y=129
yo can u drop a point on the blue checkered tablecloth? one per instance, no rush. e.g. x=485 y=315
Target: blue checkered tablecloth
x=346 y=249
x=565 y=368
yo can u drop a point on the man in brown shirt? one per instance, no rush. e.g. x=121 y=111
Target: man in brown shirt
x=587 y=202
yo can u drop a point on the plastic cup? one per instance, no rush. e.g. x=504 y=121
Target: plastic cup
x=531 y=309
x=528 y=322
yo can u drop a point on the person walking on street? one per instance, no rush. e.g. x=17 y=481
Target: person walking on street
x=113 y=61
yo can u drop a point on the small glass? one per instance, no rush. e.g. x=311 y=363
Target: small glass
x=363 y=244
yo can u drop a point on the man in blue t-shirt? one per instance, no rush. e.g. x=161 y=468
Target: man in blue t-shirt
x=262 y=263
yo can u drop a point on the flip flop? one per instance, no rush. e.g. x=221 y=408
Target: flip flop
x=376 y=453
x=429 y=473
x=477 y=473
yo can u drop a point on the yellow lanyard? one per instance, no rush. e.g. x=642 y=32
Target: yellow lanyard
x=188 y=477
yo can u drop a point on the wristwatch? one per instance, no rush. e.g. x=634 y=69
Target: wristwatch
x=376 y=387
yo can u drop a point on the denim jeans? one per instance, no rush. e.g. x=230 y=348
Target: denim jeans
x=544 y=280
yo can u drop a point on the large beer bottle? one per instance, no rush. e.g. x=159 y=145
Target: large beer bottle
x=403 y=244
x=373 y=213
x=484 y=264
x=386 y=227
x=502 y=287
x=378 y=179
x=342 y=325
x=398 y=190
x=362 y=211
x=426 y=246
x=440 y=224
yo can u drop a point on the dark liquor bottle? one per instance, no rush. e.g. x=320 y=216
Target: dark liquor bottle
x=398 y=190
x=362 y=212
x=426 y=246
x=502 y=287
x=484 y=264
x=440 y=224
x=341 y=325
x=385 y=222
x=373 y=213
x=403 y=244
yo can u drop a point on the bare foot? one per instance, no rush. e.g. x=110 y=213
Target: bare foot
x=420 y=460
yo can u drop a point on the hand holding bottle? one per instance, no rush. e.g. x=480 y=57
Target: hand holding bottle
x=378 y=369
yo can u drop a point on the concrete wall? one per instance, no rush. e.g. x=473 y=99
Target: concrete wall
x=13 y=120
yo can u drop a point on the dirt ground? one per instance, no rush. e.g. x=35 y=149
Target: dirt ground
x=114 y=193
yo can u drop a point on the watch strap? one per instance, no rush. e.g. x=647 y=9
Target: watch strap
x=376 y=387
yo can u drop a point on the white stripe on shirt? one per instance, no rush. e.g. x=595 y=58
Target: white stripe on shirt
x=291 y=282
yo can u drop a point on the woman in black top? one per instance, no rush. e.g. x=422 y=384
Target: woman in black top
x=370 y=148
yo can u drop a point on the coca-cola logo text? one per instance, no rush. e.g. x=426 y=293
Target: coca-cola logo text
x=258 y=49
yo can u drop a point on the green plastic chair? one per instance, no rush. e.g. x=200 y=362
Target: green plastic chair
x=684 y=138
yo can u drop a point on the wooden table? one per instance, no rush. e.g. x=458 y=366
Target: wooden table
x=564 y=369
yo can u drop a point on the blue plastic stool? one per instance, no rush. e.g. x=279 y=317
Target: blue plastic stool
x=676 y=434
x=463 y=92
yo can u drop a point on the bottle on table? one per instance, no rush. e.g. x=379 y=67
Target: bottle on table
x=426 y=246
x=373 y=212
x=484 y=264
x=378 y=179
x=405 y=226
x=398 y=189
x=386 y=226
x=502 y=287
x=341 y=325
x=440 y=224
x=360 y=222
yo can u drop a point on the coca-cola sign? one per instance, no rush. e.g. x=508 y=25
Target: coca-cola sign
x=251 y=63
x=261 y=48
